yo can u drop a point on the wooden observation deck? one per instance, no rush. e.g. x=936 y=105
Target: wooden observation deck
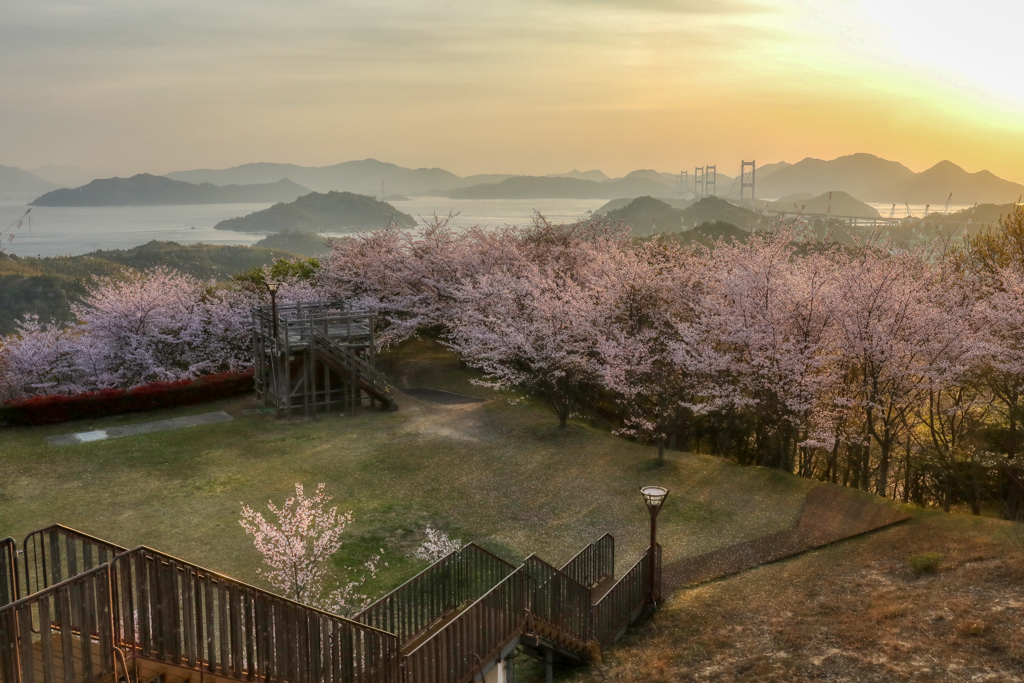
x=320 y=356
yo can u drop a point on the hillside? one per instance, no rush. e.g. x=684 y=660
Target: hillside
x=856 y=174
x=982 y=214
x=48 y=286
x=708 y=234
x=711 y=209
x=315 y=212
x=16 y=183
x=648 y=216
x=542 y=187
x=934 y=185
x=619 y=203
x=150 y=190
x=853 y=612
x=839 y=203
x=768 y=169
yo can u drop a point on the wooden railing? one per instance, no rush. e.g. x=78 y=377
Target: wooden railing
x=474 y=637
x=64 y=633
x=450 y=620
x=594 y=563
x=8 y=571
x=460 y=578
x=627 y=597
x=56 y=553
x=294 y=321
x=558 y=600
x=175 y=612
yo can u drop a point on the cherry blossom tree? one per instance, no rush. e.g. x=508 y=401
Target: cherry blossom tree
x=437 y=546
x=297 y=545
x=43 y=359
x=772 y=311
x=528 y=331
x=156 y=325
x=652 y=353
x=888 y=323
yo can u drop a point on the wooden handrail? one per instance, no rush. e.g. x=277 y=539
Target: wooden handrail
x=79 y=608
x=619 y=604
x=558 y=599
x=179 y=613
x=56 y=552
x=480 y=630
x=592 y=564
x=242 y=584
x=8 y=571
x=417 y=604
x=346 y=358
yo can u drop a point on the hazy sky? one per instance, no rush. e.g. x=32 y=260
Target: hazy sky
x=520 y=86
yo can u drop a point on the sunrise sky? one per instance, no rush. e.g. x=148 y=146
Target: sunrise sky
x=515 y=86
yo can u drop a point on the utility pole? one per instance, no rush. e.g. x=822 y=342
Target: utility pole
x=743 y=181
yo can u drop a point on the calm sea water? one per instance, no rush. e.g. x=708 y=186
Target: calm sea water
x=55 y=231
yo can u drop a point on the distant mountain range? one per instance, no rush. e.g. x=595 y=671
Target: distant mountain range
x=66 y=175
x=315 y=212
x=598 y=176
x=865 y=177
x=361 y=177
x=857 y=174
x=542 y=187
x=934 y=185
x=872 y=179
x=15 y=183
x=153 y=190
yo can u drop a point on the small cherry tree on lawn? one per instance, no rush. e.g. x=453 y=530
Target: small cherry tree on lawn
x=298 y=545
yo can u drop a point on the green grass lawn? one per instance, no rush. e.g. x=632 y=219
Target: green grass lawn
x=501 y=474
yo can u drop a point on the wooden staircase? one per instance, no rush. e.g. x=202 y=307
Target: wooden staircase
x=142 y=616
x=347 y=363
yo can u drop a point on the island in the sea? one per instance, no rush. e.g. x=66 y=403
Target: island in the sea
x=316 y=212
x=153 y=190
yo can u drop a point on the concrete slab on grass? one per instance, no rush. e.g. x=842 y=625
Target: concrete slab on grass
x=139 y=428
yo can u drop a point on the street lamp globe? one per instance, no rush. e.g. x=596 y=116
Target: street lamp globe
x=273 y=287
x=654 y=496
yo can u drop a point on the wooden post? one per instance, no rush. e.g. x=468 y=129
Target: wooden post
x=287 y=371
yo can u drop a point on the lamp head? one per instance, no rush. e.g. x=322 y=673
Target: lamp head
x=654 y=496
x=273 y=287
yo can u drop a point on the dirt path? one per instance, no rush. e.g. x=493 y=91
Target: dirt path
x=830 y=514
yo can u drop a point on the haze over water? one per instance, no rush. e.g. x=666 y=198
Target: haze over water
x=70 y=231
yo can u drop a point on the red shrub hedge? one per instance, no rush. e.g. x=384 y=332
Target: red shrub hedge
x=42 y=410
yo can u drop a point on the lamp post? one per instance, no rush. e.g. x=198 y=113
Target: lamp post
x=272 y=287
x=654 y=498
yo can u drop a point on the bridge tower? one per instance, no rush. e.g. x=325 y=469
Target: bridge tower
x=710 y=177
x=698 y=182
x=743 y=181
x=682 y=183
